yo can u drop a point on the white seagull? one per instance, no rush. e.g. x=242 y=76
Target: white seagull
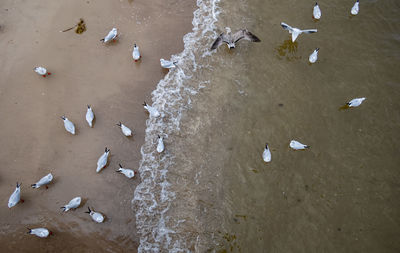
x=15 y=196
x=316 y=11
x=297 y=145
x=43 y=181
x=152 y=110
x=74 y=203
x=135 y=53
x=39 y=232
x=127 y=172
x=110 y=36
x=266 y=154
x=125 y=130
x=314 y=56
x=101 y=163
x=96 y=216
x=355 y=102
x=160 y=144
x=89 y=116
x=69 y=126
x=168 y=64
x=296 y=31
x=231 y=39
x=41 y=71
x=355 y=9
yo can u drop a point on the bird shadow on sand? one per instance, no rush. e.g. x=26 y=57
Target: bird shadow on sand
x=288 y=50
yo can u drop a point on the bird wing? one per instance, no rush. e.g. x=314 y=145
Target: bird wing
x=245 y=34
x=309 y=31
x=218 y=41
x=286 y=26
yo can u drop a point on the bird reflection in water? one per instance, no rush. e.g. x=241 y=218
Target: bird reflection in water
x=288 y=50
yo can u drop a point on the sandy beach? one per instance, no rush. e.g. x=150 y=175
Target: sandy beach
x=84 y=71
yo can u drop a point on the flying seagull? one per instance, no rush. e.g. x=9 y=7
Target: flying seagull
x=230 y=39
x=296 y=31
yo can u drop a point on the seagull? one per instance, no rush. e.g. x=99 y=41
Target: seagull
x=355 y=9
x=355 y=102
x=316 y=11
x=69 y=126
x=127 y=172
x=74 y=203
x=160 y=145
x=101 y=163
x=266 y=154
x=41 y=71
x=39 y=232
x=15 y=196
x=89 y=116
x=110 y=36
x=125 y=130
x=135 y=53
x=168 y=64
x=96 y=216
x=43 y=181
x=231 y=39
x=296 y=31
x=152 y=110
x=297 y=145
x=314 y=56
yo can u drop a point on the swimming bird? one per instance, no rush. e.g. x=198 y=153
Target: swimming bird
x=74 y=203
x=41 y=71
x=15 y=196
x=135 y=53
x=314 y=56
x=89 y=116
x=125 y=130
x=127 y=172
x=231 y=39
x=356 y=8
x=297 y=145
x=355 y=102
x=266 y=154
x=96 y=216
x=316 y=11
x=296 y=31
x=110 y=36
x=43 y=181
x=39 y=232
x=152 y=110
x=168 y=64
x=101 y=163
x=160 y=144
x=69 y=126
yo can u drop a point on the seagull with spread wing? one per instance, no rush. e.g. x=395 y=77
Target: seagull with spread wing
x=231 y=39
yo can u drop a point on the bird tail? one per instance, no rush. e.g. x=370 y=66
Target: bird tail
x=88 y=106
x=34 y=186
x=30 y=230
x=144 y=104
x=102 y=40
x=19 y=185
x=119 y=124
x=89 y=210
x=65 y=208
x=307 y=146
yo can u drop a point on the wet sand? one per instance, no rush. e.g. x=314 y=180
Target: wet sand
x=84 y=71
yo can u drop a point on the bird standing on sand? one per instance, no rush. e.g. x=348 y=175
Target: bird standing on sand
x=110 y=36
x=43 y=181
x=69 y=126
x=15 y=196
x=231 y=39
x=127 y=172
x=316 y=11
x=89 y=116
x=101 y=163
x=74 y=203
x=168 y=64
x=297 y=145
x=39 y=232
x=41 y=71
x=152 y=110
x=356 y=8
x=160 y=144
x=296 y=31
x=96 y=216
x=125 y=130
x=314 y=56
x=136 y=53
x=266 y=154
x=355 y=102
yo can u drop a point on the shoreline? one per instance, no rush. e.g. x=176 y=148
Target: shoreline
x=36 y=140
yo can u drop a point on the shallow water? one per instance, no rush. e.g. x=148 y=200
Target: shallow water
x=341 y=194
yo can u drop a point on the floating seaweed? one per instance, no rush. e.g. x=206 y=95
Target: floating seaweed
x=79 y=28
